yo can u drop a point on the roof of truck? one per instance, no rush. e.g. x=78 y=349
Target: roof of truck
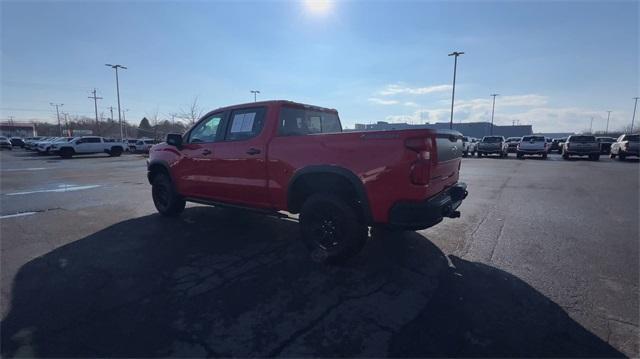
x=274 y=102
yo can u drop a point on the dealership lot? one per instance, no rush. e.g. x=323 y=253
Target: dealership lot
x=543 y=262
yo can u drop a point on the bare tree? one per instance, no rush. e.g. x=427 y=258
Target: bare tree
x=192 y=113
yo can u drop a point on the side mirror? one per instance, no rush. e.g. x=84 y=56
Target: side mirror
x=174 y=139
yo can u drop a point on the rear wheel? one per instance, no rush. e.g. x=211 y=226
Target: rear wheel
x=544 y=156
x=479 y=154
x=331 y=228
x=565 y=156
x=167 y=201
x=115 y=152
x=66 y=152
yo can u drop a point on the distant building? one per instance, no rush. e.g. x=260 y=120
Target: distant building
x=472 y=129
x=17 y=129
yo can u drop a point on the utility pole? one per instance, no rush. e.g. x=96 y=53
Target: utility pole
x=57 y=105
x=591 y=126
x=11 y=126
x=116 y=67
x=633 y=118
x=255 y=93
x=111 y=109
x=455 y=54
x=66 y=123
x=493 y=108
x=95 y=104
x=124 y=122
x=606 y=131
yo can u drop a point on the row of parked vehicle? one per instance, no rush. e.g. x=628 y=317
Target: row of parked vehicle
x=69 y=146
x=576 y=145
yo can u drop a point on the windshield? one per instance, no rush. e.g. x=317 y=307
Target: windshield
x=582 y=139
x=492 y=139
x=513 y=139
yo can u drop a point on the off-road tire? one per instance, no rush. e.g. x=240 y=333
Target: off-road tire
x=331 y=228
x=165 y=197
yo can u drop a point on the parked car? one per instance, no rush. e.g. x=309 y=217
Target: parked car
x=625 y=146
x=468 y=146
x=281 y=155
x=17 y=142
x=87 y=145
x=605 y=144
x=581 y=145
x=130 y=143
x=143 y=145
x=33 y=142
x=492 y=145
x=44 y=147
x=561 y=142
x=512 y=144
x=5 y=143
x=533 y=145
x=555 y=145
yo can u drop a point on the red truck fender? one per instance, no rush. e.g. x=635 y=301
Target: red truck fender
x=333 y=179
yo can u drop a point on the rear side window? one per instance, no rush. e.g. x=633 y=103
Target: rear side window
x=245 y=124
x=632 y=138
x=298 y=122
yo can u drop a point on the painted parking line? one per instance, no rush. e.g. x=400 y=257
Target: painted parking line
x=17 y=215
x=61 y=188
x=24 y=169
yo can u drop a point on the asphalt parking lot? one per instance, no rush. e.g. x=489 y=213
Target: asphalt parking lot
x=543 y=262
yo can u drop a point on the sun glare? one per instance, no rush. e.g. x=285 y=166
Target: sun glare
x=319 y=7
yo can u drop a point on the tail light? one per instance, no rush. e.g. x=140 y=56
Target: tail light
x=421 y=168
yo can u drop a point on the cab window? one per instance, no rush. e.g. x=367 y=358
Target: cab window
x=206 y=130
x=245 y=124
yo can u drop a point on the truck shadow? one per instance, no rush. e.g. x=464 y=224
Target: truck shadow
x=225 y=283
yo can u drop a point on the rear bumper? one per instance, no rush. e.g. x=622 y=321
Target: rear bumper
x=421 y=215
x=582 y=153
x=532 y=152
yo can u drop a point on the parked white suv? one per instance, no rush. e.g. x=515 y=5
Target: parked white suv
x=468 y=146
x=86 y=145
x=533 y=145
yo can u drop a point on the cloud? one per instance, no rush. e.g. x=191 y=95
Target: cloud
x=411 y=104
x=380 y=101
x=397 y=89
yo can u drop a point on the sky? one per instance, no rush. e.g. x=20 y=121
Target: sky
x=555 y=65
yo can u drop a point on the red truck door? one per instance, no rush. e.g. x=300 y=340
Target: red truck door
x=240 y=170
x=195 y=169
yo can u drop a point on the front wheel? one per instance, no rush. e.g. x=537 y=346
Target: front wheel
x=565 y=156
x=66 y=152
x=331 y=228
x=544 y=156
x=115 y=152
x=479 y=154
x=167 y=201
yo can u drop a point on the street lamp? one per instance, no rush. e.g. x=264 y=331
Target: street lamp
x=455 y=54
x=493 y=108
x=116 y=67
x=57 y=105
x=255 y=93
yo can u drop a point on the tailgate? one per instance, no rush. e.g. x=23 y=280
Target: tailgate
x=448 y=156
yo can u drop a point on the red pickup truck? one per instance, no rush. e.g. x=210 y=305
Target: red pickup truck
x=277 y=156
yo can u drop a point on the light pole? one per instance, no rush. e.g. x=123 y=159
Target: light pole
x=591 y=126
x=116 y=67
x=57 y=105
x=455 y=54
x=124 y=122
x=633 y=118
x=606 y=131
x=255 y=93
x=493 y=108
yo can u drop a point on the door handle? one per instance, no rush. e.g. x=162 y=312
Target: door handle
x=206 y=152
x=253 y=151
